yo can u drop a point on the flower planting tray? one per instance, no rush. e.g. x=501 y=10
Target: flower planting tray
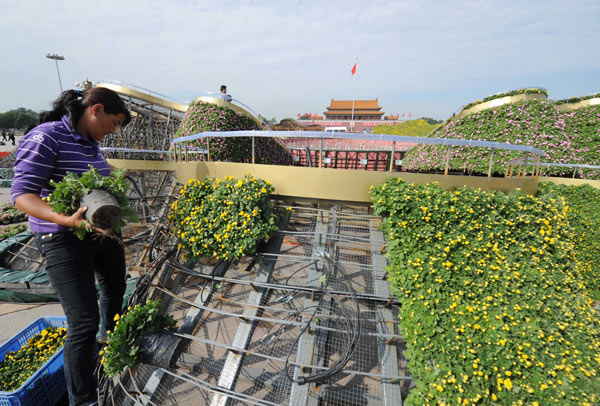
x=48 y=384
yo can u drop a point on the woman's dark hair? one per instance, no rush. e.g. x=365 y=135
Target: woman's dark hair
x=74 y=102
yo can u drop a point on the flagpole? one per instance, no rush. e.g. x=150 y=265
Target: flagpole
x=353 y=93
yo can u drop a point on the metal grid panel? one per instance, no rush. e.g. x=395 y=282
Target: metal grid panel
x=322 y=285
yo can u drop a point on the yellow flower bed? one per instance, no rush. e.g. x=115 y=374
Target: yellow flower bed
x=19 y=366
x=223 y=218
x=492 y=312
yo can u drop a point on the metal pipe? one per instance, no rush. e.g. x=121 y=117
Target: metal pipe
x=56 y=59
x=525 y=165
x=491 y=163
x=447 y=161
x=392 y=156
x=208 y=148
x=321 y=153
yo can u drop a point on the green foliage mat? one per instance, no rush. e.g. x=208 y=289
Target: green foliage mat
x=492 y=309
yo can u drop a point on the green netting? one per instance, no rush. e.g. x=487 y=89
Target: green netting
x=22 y=297
x=41 y=277
x=6 y=173
x=129 y=288
x=10 y=241
x=10 y=276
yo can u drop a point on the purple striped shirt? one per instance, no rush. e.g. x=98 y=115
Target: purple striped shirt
x=48 y=152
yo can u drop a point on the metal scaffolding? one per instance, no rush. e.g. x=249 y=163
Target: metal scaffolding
x=293 y=325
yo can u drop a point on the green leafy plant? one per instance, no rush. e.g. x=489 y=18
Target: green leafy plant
x=492 y=309
x=66 y=196
x=18 y=366
x=223 y=218
x=123 y=343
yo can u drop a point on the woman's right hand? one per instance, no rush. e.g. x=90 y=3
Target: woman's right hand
x=76 y=219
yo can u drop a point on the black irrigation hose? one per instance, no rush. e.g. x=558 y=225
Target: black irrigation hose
x=139 y=192
x=153 y=242
x=355 y=328
x=351 y=326
x=143 y=286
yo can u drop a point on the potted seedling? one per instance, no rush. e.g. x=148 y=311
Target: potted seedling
x=103 y=210
x=104 y=196
x=141 y=334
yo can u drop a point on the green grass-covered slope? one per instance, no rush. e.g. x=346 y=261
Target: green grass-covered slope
x=201 y=117
x=411 y=128
x=493 y=310
x=572 y=137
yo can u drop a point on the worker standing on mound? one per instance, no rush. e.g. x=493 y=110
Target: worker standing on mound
x=224 y=94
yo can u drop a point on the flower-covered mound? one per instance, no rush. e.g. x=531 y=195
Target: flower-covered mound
x=411 y=128
x=9 y=215
x=18 y=366
x=123 y=344
x=492 y=310
x=583 y=203
x=201 y=117
x=568 y=138
x=11 y=229
x=223 y=218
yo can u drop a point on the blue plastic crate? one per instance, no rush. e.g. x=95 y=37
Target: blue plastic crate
x=47 y=385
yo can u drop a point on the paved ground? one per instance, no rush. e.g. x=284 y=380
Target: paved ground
x=13 y=316
x=8 y=145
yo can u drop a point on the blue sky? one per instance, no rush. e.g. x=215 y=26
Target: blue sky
x=281 y=57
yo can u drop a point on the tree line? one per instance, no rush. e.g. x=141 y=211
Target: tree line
x=20 y=118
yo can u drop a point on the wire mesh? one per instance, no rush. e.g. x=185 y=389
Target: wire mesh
x=296 y=325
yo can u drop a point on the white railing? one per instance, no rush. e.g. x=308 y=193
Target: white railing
x=450 y=142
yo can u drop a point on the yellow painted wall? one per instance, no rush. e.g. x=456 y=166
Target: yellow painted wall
x=321 y=183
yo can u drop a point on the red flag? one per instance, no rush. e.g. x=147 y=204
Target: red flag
x=409 y=114
x=298 y=114
x=353 y=71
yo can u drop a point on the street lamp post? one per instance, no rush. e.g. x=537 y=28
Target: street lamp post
x=56 y=59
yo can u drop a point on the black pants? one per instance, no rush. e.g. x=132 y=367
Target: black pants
x=71 y=264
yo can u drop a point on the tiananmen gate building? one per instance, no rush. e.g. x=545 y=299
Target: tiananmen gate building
x=367 y=114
